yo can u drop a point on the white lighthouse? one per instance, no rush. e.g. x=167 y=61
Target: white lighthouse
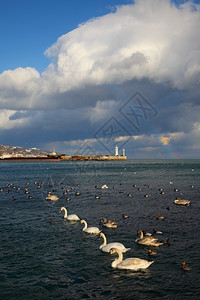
x=123 y=152
x=116 y=151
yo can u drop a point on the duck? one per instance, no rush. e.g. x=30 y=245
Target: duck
x=91 y=230
x=125 y=216
x=180 y=201
x=147 y=240
x=106 y=247
x=110 y=224
x=97 y=197
x=146 y=233
x=160 y=217
x=52 y=197
x=157 y=231
x=167 y=242
x=184 y=267
x=69 y=217
x=133 y=263
x=152 y=252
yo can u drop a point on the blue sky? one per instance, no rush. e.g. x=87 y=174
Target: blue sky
x=84 y=76
x=28 y=28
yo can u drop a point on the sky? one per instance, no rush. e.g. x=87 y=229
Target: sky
x=82 y=77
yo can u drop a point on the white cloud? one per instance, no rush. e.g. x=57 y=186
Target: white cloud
x=93 y=69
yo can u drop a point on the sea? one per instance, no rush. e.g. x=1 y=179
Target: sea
x=44 y=256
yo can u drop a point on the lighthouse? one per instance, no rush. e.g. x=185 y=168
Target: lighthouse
x=123 y=152
x=116 y=151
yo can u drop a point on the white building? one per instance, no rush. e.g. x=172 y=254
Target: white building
x=123 y=152
x=116 y=151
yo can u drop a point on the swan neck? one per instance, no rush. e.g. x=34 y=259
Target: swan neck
x=85 y=225
x=141 y=234
x=119 y=259
x=104 y=240
x=65 y=216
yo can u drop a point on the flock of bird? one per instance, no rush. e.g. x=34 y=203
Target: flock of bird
x=146 y=239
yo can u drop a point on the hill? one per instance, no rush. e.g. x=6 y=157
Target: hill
x=16 y=151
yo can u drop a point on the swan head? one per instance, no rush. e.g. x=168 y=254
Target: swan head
x=112 y=250
x=103 y=220
x=62 y=208
x=83 y=221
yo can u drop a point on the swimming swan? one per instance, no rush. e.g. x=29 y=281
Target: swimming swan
x=147 y=240
x=132 y=263
x=93 y=230
x=69 y=217
x=110 y=224
x=106 y=247
x=52 y=197
x=180 y=201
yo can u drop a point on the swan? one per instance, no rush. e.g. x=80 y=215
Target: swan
x=147 y=240
x=52 y=197
x=106 y=247
x=93 y=230
x=132 y=263
x=180 y=201
x=110 y=224
x=69 y=217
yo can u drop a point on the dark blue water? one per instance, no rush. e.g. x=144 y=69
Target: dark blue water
x=44 y=260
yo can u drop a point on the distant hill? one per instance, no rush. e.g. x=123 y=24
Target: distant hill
x=19 y=151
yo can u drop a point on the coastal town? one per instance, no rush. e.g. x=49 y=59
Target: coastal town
x=15 y=153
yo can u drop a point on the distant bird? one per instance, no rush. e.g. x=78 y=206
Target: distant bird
x=160 y=217
x=152 y=252
x=180 y=201
x=125 y=216
x=156 y=231
x=51 y=220
x=52 y=197
x=77 y=194
x=104 y=186
x=129 y=195
x=184 y=267
x=167 y=242
x=168 y=207
x=97 y=197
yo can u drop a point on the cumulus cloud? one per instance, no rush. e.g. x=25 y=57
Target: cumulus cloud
x=151 y=45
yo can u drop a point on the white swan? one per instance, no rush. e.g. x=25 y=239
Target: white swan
x=52 y=197
x=147 y=240
x=106 y=247
x=132 y=263
x=92 y=230
x=180 y=201
x=69 y=217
